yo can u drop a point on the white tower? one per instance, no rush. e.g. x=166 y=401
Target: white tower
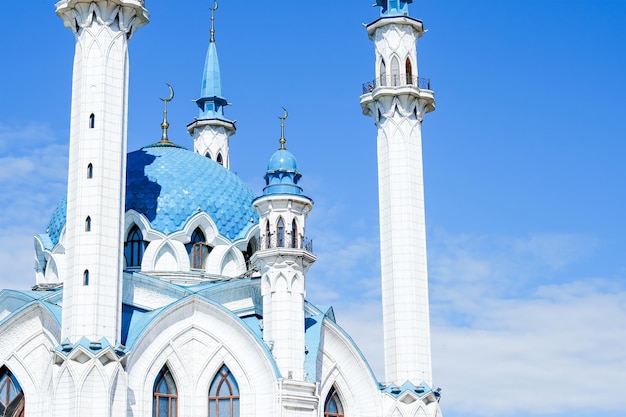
x=283 y=260
x=398 y=100
x=97 y=165
x=211 y=131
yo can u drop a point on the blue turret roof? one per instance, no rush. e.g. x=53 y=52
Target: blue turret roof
x=391 y=8
x=211 y=102
x=282 y=174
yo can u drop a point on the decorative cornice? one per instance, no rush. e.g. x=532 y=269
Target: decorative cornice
x=80 y=14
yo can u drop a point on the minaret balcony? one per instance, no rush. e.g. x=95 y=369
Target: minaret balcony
x=396 y=80
x=276 y=240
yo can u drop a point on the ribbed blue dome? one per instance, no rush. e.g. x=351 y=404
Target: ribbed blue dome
x=170 y=184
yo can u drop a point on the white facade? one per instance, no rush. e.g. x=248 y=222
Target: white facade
x=195 y=301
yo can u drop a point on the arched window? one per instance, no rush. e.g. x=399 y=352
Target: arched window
x=395 y=71
x=220 y=159
x=89 y=171
x=268 y=235
x=294 y=234
x=165 y=395
x=224 y=395
x=383 y=73
x=134 y=247
x=12 y=399
x=409 y=71
x=88 y=224
x=92 y=121
x=332 y=405
x=198 y=249
x=208 y=155
x=86 y=277
x=280 y=233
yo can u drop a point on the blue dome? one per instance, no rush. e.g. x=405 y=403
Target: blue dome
x=282 y=174
x=170 y=184
x=282 y=160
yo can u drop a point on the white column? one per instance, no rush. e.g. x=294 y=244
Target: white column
x=97 y=165
x=397 y=105
x=283 y=268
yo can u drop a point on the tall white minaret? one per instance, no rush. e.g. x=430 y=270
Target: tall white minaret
x=283 y=260
x=97 y=165
x=397 y=100
x=211 y=131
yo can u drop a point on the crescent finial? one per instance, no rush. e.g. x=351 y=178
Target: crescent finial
x=282 y=140
x=165 y=125
x=171 y=97
x=213 y=10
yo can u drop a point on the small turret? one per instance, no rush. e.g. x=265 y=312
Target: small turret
x=283 y=260
x=211 y=131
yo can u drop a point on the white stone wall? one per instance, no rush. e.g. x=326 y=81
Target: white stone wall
x=211 y=138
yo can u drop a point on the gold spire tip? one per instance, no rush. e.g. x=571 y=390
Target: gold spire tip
x=213 y=10
x=282 y=140
x=164 y=124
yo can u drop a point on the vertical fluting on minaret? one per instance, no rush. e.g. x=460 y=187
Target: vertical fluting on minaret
x=97 y=165
x=397 y=101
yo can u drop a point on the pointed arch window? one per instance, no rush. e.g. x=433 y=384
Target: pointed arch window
x=294 y=234
x=333 y=406
x=208 y=155
x=220 y=160
x=12 y=399
x=92 y=121
x=88 y=224
x=395 y=71
x=134 y=247
x=383 y=73
x=408 y=67
x=268 y=235
x=224 y=395
x=165 y=395
x=86 y=277
x=89 y=171
x=198 y=249
x=280 y=233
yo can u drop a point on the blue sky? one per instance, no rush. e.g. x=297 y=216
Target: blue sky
x=523 y=158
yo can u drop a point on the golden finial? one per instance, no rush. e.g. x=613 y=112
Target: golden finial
x=165 y=125
x=213 y=21
x=282 y=140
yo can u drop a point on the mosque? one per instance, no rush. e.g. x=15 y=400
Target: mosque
x=160 y=293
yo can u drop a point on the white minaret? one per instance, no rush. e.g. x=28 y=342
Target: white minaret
x=283 y=260
x=211 y=131
x=398 y=100
x=97 y=165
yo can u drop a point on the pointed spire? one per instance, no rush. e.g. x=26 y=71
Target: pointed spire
x=213 y=10
x=211 y=102
x=282 y=140
x=164 y=124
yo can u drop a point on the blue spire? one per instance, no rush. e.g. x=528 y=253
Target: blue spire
x=392 y=8
x=211 y=102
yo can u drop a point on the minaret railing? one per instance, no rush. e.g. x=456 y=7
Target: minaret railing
x=396 y=80
x=274 y=240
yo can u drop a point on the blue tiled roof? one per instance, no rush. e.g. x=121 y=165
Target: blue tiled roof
x=170 y=184
x=57 y=221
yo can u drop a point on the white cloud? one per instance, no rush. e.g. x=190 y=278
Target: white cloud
x=33 y=171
